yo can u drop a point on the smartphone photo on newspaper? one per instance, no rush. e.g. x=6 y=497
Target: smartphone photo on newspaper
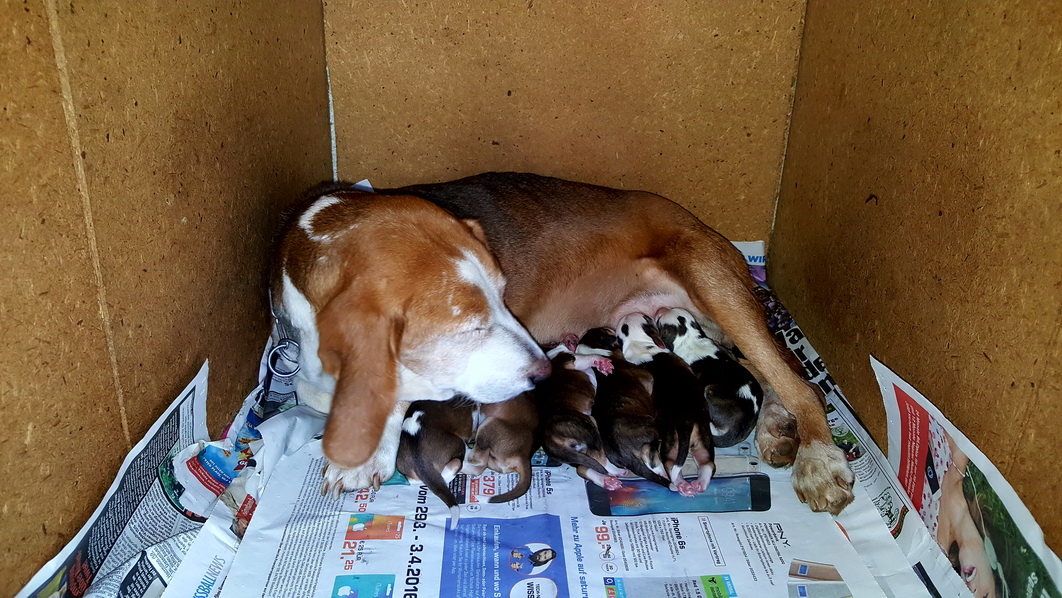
x=726 y=494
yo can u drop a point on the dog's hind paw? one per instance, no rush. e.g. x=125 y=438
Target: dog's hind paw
x=822 y=477
x=776 y=435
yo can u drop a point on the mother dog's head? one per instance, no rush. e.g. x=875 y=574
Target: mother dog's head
x=408 y=306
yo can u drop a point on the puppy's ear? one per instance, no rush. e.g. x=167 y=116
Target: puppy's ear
x=359 y=346
x=476 y=229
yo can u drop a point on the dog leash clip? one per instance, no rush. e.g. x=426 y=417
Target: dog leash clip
x=286 y=348
x=288 y=351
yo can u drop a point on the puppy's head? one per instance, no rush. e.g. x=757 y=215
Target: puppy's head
x=602 y=338
x=639 y=337
x=574 y=436
x=404 y=291
x=684 y=336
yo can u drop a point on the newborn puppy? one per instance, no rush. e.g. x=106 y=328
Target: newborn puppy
x=505 y=442
x=565 y=401
x=733 y=394
x=624 y=412
x=683 y=419
x=432 y=446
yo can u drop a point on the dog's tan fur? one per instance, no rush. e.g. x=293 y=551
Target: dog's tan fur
x=578 y=256
x=394 y=314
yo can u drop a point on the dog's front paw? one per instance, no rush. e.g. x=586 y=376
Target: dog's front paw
x=337 y=480
x=822 y=477
x=776 y=435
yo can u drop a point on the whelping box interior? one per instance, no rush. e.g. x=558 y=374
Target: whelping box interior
x=903 y=159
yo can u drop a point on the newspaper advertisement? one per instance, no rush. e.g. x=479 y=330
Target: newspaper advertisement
x=973 y=514
x=136 y=538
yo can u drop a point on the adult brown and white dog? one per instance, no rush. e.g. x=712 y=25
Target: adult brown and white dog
x=392 y=300
x=575 y=256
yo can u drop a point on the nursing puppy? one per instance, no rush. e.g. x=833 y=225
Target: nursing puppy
x=505 y=442
x=432 y=446
x=391 y=299
x=565 y=402
x=624 y=411
x=682 y=415
x=733 y=394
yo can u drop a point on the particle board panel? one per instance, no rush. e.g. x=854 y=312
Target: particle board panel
x=919 y=217
x=57 y=394
x=198 y=122
x=195 y=125
x=686 y=99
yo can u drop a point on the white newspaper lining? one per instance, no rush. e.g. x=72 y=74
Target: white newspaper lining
x=970 y=508
x=913 y=543
x=138 y=535
x=394 y=542
x=784 y=551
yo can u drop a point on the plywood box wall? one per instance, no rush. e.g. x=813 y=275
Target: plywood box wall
x=145 y=151
x=148 y=150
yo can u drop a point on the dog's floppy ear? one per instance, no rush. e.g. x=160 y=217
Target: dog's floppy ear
x=359 y=346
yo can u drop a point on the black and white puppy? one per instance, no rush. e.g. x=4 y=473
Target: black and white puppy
x=734 y=396
x=624 y=411
x=683 y=418
x=431 y=449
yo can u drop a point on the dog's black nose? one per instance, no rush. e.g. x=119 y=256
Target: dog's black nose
x=540 y=370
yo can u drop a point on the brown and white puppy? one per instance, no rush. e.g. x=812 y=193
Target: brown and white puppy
x=565 y=401
x=505 y=442
x=733 y=395
x=391 y=300
x=432 y=449
x=682 y=415
x=625 y=413
x=579 y=256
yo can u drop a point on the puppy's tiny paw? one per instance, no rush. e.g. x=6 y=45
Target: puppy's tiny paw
x=697 y=487
x=612 y=483
x=603 y=365
x=684 y=488
x=822 y=477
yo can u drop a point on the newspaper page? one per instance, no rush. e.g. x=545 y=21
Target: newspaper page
x=269 y=534
x=139 y=534
x=747 y=535
x=974 y=515
x=909 y=565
